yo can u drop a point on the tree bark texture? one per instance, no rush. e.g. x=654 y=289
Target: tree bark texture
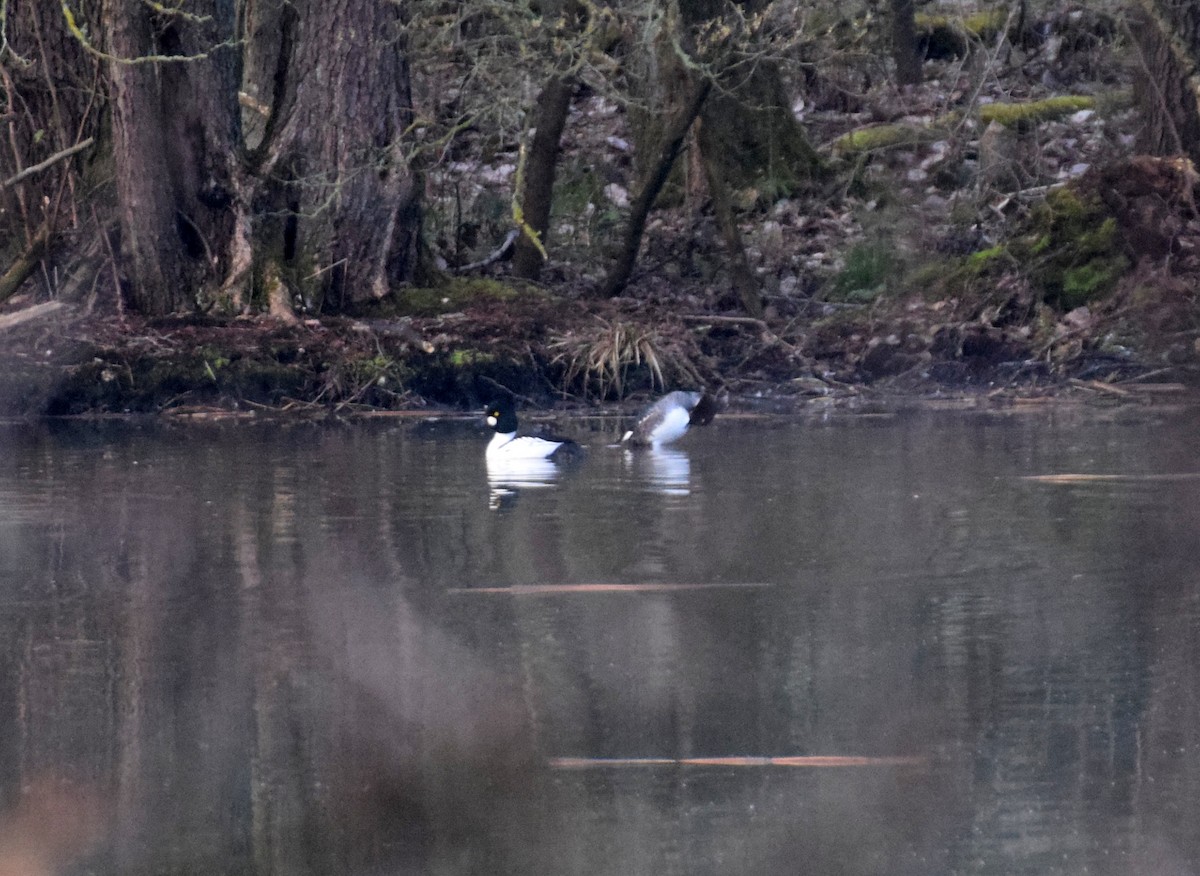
x=204 y=134
x=904 y=43
x=324 y=196
x=145 y=194
x=57 y=92
x=1167 y=87
x=536 y=197
x=550 y=117
x=332 y=154
x=176 y=132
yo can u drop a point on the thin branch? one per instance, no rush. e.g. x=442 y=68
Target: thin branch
x=53 y=159
x=495 y=255
x=177 y=13
x=81 y=37
x=725 y=320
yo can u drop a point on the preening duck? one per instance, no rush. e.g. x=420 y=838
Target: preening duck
x=506 y=444
x=668 y=418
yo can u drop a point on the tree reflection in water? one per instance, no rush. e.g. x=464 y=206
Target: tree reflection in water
x=243 y=649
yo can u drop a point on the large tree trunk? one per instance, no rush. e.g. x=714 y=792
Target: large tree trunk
x=175 y=129
x=204 y=139
x=153 y=269
x=332 y=150
x=1167 y=88
x=756 y=139
x=326 y=197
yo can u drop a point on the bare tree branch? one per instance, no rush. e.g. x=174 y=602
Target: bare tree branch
x=53 y=159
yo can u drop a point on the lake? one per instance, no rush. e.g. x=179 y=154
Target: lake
x=910 y=643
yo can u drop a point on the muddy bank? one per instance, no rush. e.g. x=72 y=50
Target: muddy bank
x=551 y=350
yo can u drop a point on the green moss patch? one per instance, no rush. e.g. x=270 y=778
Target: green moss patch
x=1074 y=256
x=879 y=137
x=1068 y=252
x=1015 y=115
x=947 y=36
x=868 y=270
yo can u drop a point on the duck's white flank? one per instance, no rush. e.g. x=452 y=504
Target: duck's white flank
x=672 y=426
x=667 y=419
x=506 y=445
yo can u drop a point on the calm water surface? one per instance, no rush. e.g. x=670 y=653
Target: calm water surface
x=246 y=648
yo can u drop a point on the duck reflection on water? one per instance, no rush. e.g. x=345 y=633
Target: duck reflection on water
x=508 y=477
x=664 y=471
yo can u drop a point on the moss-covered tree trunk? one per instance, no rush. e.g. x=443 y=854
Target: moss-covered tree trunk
x=757 y=141
x=749 y=114
x=537 y=194
x=332 y=158
x=550 y=117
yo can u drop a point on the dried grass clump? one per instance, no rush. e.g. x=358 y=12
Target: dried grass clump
x=604 y=361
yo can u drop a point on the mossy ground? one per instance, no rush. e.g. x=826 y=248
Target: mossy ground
x=452 y=296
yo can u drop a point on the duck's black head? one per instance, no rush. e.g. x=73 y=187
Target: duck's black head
x=502 y=415
x=703 y=410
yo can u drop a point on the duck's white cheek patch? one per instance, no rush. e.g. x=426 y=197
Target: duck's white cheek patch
x=491 y=421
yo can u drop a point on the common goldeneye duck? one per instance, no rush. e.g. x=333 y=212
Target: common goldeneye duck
x=506 y=444
x=668 y=418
